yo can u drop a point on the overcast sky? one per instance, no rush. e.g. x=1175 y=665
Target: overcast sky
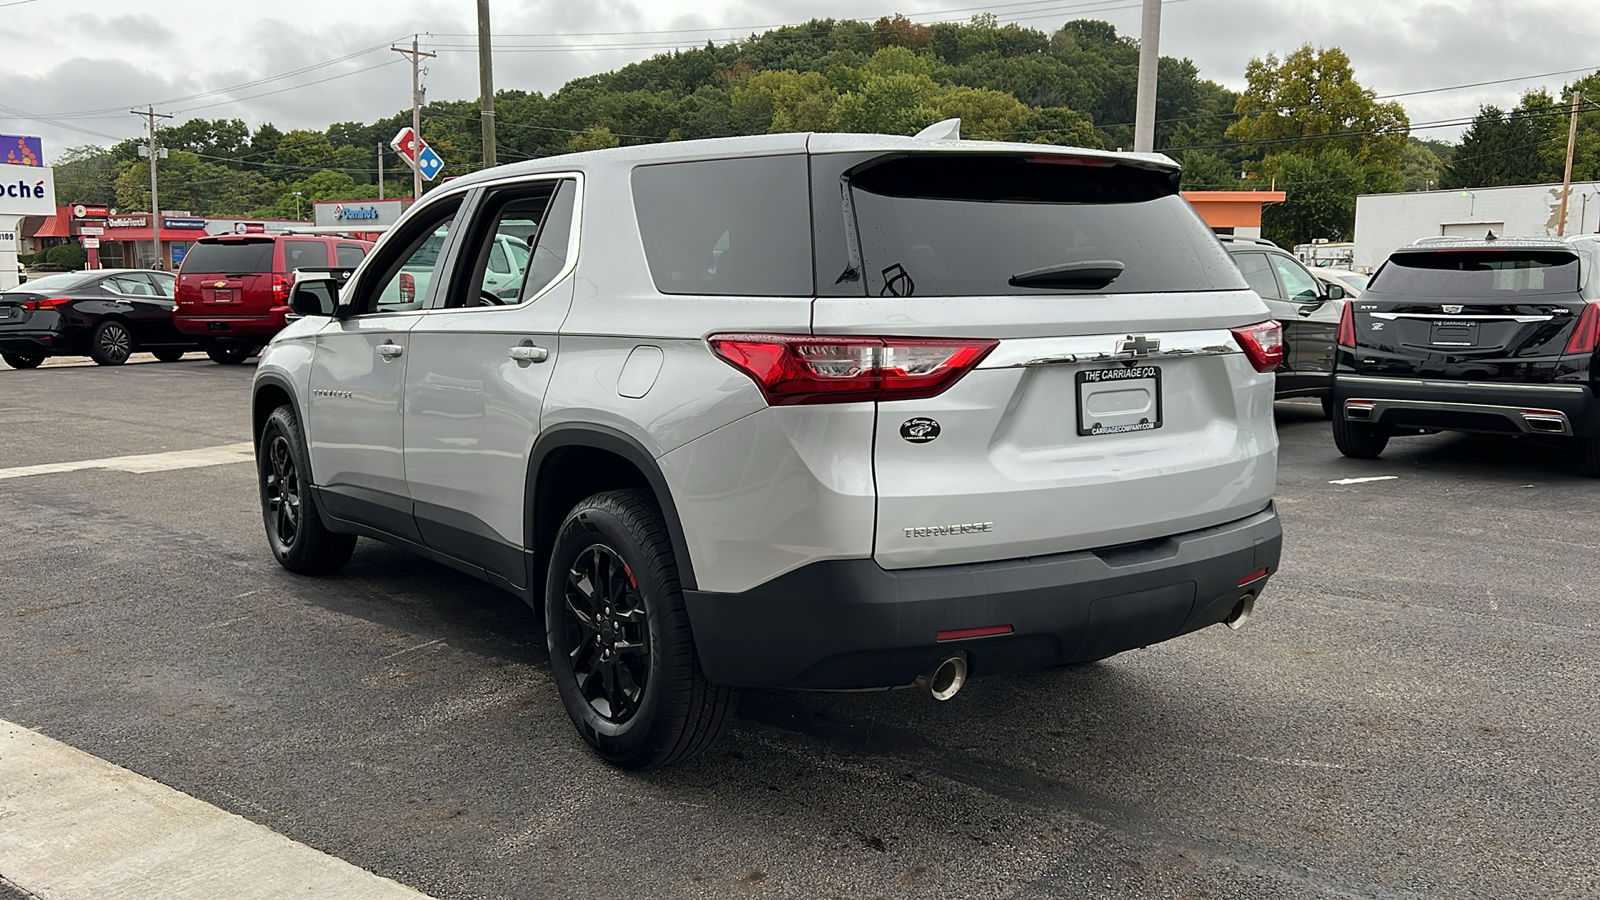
x=83 y=63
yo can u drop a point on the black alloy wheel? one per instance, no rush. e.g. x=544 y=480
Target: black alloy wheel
x=111 y=344
x=23 y=360
x=608 y=634
x=299 y=540
x=621 y=651
x=167 y=355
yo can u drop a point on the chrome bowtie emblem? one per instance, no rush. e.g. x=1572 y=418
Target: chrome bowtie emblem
x=1138 y=345
x=1453 y=308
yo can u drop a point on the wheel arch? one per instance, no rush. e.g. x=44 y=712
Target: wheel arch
x=575 y=460
x=269 y=393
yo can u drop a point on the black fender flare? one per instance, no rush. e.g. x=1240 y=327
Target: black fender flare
x=611 y=440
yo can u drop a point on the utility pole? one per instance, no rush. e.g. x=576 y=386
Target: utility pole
x=486 y=82
x=1566 y=180
x=416 y=106
x=150 y=116
x=380 y=171
x=1144 y=115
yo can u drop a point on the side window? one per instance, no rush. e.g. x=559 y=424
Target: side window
x=409 y=260
x=507 y=270
x=1299 y=284
x=1258 y=274
x=130 y=286
x=305 y=255
x=727 y=227
x=165 y=284
x=350 y=255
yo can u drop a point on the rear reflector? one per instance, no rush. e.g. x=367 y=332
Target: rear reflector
x=1262 y=343
x=961 y=634
x=1257 y=575
x=794 y=369
x=1586 y=336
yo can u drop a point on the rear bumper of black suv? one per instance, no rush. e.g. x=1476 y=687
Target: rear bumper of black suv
x=851 y=624
x=1555 y=410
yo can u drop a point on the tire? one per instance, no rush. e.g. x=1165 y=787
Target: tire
x=288 y=507
x=23 y=360
x=167 y=355
x=1589 y=456
x=1327 y=406
x=111 y=344
x=229 y=356
x=1358 y=440
x=613 y=579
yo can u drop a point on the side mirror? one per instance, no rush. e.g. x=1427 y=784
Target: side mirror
x=314 y=296
x=1337 y=292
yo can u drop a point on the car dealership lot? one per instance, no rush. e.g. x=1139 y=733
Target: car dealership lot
x=1411 y=713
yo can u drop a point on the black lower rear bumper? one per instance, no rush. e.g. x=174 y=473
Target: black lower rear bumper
x=843 y=624
x=1500 y=408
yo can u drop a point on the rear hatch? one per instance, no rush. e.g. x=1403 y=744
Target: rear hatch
x=229 y=276
x=1481 y=314
x=1109 y=404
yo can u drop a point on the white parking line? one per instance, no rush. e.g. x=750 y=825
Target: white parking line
x=149 y=462
x=73 y=826
x=1365 y=480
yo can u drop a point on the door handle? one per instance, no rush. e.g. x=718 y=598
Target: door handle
x=390 y=350
x=528 y=353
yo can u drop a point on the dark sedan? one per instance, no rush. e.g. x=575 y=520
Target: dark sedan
x=106 y=315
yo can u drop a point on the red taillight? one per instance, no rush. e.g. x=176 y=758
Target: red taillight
x=1586 y=336
x=793 y=369
x=46 y=303
x=408 y=288
x=1262 y=343
x=1347 y=326
x=963 y=634
x=280 y=288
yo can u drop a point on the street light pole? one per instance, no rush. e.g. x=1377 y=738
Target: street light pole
x=1144 y=116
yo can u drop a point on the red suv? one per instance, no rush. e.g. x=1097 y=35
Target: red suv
x=233 y=289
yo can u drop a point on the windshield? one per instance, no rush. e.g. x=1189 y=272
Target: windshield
x=240 y=258
x=59 y=282
x=949 y=226
x=1479 y=274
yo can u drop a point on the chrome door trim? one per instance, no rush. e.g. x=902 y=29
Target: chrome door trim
x=1463 y=385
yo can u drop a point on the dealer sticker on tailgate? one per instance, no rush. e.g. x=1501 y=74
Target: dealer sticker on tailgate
x=1119 y=400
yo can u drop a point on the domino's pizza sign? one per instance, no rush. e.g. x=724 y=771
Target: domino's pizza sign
x=27 y=191
x=347 y=213
x=358 y=215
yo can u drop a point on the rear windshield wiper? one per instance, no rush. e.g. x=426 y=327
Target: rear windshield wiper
x=1090 y=274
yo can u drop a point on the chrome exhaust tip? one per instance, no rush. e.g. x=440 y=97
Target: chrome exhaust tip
x=1241 y=612
x=944 y=680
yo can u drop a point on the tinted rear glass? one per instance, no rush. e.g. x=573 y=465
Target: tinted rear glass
x=730 y=227
x=241 y=258
x=59 y=282
x=304 y=255
x=946 y=225
x=1478 y=274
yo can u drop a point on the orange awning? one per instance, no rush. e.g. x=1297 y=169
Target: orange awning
x=1232 y=209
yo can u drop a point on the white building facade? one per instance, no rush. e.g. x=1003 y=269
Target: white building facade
x=1385 y=222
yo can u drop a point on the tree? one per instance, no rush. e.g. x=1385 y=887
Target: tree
x=889 y=104
x=595 y=137
x=1311 y=102
x=777 y=102
x=1524 y=146
x=88 y=174
x=1321 y=191
x=1420 y=168
x=985 y=115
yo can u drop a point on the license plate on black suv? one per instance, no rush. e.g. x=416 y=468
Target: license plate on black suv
x=1119 y=400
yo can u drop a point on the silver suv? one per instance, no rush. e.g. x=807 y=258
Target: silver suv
x=793 y=411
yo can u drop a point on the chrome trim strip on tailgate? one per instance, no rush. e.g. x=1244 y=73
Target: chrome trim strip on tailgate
x=1449 y=317
x=1045 y=351
x=1466 y=385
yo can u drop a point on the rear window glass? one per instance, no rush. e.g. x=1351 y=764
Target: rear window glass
x=949 y=226
x=1478 y=274
x=731 y=227
x=58 y=282
x=242 y=257
x=305 y=255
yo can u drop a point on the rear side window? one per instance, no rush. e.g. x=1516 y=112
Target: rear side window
x=230 y=257
x=1478 y=274
x=947 y=225
x=728 y=227
x=305 y=255
x=350 y=255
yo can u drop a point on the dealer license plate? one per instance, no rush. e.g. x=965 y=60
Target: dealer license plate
x=1119 y=400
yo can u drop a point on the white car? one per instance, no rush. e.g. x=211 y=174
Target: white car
x=1354 y=283
x=818 y=411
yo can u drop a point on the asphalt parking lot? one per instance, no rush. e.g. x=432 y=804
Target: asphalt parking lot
x=1413 y=711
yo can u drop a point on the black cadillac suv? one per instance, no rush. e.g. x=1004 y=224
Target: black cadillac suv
x=1489 y=336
